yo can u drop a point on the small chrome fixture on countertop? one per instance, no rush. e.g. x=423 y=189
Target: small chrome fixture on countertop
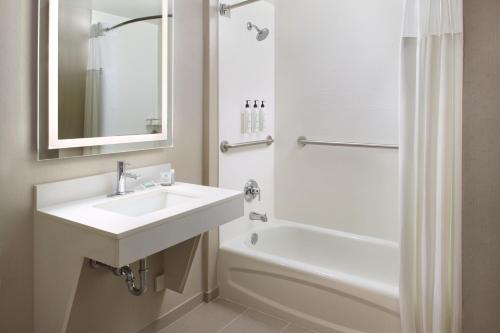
x=303 y=141
x=121 y=177
x=225 y=146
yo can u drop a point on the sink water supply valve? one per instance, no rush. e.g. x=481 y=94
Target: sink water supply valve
x=127 y=273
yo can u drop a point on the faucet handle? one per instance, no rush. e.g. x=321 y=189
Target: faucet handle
x=255 y=192
x=131 y=175
x=252 y=190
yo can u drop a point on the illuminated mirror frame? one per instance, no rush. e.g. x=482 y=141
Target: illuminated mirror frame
x=54 y=141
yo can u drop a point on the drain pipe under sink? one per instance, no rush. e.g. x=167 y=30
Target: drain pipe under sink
x=127 y=273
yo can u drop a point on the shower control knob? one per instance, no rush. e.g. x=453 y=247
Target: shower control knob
x=252 y=190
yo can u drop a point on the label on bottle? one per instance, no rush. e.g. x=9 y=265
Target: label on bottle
x=262 y=119
x=248 y=119
x=256 y=121
x=243 y=127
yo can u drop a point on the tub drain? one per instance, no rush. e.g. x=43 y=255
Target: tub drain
x=254 y=239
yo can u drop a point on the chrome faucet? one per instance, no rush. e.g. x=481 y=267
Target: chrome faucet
x=121 y=177
x=252 y=190
x=258 y=217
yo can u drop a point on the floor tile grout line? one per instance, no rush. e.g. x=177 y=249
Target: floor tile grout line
x=270 y=315
x=184 y=315
x=288 y=323
x=233 y=320
x=233 y=302
x=245 y=310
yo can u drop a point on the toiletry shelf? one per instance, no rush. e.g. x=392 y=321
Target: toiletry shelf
x=226 y=146
x=303 y=141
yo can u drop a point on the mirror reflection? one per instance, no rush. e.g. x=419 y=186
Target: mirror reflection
x=109 y=68
x=110 y=74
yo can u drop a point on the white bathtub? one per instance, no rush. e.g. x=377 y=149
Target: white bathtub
x=323 y=279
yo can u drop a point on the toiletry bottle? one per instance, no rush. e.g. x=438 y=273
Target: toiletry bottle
x=255 y=117
x=248 y=118
x=166 y=178
x=172 y=177
x=244 y=117
x=262 y=116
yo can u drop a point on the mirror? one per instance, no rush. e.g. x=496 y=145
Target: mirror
x=108 y=67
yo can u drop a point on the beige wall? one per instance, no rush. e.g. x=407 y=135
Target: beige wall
x=74 y=26
x=481 y=174
x=211 y=131
x=102 y=303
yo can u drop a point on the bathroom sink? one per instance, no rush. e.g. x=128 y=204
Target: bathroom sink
x=141 y=204
x=122 y=229
x=76 y=220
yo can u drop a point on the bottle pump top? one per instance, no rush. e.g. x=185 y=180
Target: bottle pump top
x=247 y=105
x=262 y=105
x=255 y=104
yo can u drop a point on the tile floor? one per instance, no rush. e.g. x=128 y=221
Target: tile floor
x=227 y=317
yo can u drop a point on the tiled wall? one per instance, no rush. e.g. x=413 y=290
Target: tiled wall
x=246 y=72
x=337 y=79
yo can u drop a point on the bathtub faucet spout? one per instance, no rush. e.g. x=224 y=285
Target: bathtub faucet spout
x=258 y=217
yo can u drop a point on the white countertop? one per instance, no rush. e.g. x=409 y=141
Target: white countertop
x=85 y=214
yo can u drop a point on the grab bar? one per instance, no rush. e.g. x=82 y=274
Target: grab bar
x=303 y=141
x=225 y=146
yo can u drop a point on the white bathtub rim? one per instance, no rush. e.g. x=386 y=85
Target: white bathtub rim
x=276 y=223
x=378 y=293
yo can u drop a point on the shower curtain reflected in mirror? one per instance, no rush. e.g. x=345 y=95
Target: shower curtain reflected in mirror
x=94 y=86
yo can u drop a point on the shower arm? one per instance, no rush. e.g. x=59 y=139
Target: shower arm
x=225 y=10
x=250 y=26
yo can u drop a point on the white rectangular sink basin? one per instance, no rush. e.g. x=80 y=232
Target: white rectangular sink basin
x=120 y=230
x=140 y=204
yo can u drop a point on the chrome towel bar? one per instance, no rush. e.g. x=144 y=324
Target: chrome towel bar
x=303 y=141
x=225 y=146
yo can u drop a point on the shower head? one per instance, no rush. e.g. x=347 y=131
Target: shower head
x=261 y=33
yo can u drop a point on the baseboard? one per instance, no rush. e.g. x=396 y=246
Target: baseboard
x=210 y=295
x=173 y=315
x=180 y=311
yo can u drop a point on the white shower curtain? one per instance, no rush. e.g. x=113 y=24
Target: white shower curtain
x=431 y=115
x=94 y=87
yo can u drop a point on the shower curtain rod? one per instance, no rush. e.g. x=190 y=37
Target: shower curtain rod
x=139 y=19
x=225 y=10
